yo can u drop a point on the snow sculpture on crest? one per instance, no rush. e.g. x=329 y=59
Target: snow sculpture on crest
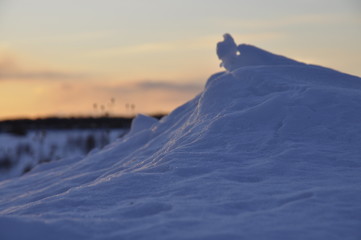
x=227 y=52
x=243 y=55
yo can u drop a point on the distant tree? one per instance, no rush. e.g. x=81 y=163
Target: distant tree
x=89 y=143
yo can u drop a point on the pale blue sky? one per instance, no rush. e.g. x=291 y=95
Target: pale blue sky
x=128 y=42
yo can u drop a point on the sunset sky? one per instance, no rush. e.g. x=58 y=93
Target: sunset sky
x=71 y=57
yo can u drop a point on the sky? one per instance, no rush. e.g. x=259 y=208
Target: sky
x=122 y=57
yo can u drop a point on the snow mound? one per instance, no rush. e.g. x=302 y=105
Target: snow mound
x=266 y=151
x=142 y=122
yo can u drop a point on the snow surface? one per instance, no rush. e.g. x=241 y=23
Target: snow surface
x=266 y=151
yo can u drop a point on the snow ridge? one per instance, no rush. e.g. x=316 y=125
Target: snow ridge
x=269 y=150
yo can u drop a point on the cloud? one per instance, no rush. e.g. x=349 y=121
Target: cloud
x=10 y=69
x=171 y=86
x=155 y=47
x=286 y=21
x=151 y=87
x=78 y=37
x=37 y=75
x=131 y=50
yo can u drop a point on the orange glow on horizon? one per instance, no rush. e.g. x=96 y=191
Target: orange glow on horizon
x=61 y=58
x=39 y=98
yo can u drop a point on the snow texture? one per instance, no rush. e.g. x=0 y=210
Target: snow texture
x=269 y=150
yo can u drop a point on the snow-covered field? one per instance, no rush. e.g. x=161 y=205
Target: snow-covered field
x=269 y=150
x=20 y=154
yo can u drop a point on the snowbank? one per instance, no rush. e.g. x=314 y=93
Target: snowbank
x=266 y=151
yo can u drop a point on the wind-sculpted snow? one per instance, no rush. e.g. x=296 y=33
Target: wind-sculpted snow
x=269 y=151
x=234 y=56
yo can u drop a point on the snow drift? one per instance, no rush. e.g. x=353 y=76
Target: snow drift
x=269 y=150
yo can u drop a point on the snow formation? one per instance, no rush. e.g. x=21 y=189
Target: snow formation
x=234 y=56
x=269 y=150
